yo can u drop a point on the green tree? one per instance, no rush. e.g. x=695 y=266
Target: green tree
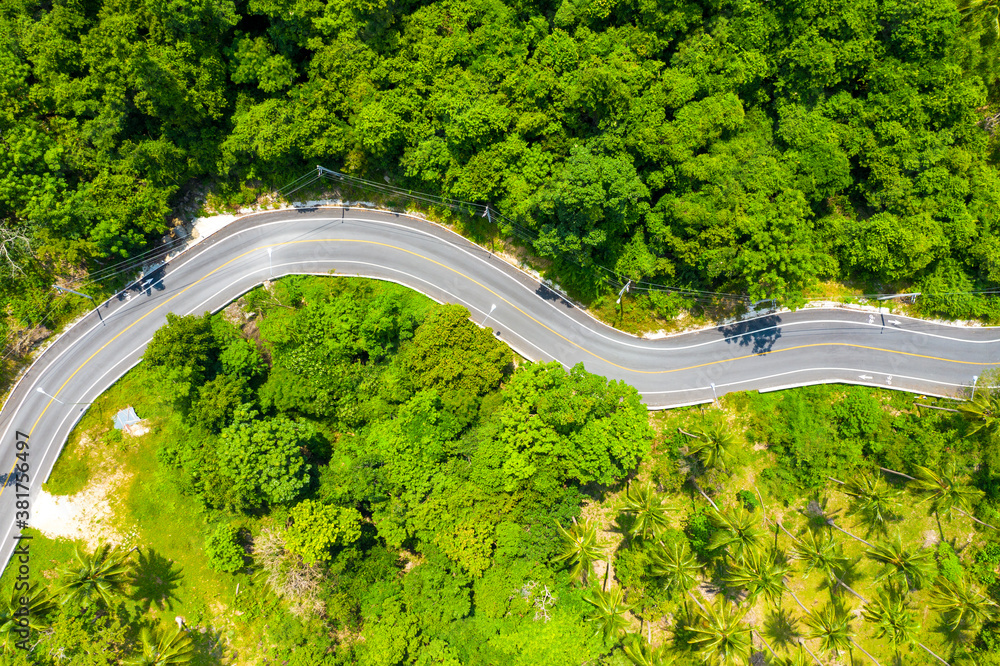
x=675 y=565
x=908 y=567
x=719 y=635
x=759 y=572
x=819 y=552
x=554 y=426
x=644 y=654
x=945 y=491
x=831 y=625
x=715 y=445
x=164 y=647
x=100 y=577
x=894 y=620
x=872 y=499
x=648 y=511
x=184 y=351
x=961 y=604
x=738 y=531
x=317 y=528
x=33 y=605
x=456 y=358
x=983 y=411
x=609 y=611
x=262 y=459
x=579 y=549
x=224 y=550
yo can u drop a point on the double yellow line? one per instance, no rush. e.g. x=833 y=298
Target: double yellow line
x=498 y=296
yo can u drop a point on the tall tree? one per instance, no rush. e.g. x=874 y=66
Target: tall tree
x=961 y=604
x=579 y=549
x=872 y=499
x=719 y=635
x=759 y=572
x=714 y=445
x=648 y=511
x=34 y=612
x=945 y=490
x=99 y=577
x=164 y=647
x=738 y=531
x=609 y=611
x=911 y=568
x=894 y=620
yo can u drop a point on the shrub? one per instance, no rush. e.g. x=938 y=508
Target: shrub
x=224 y=550
x=749 y=500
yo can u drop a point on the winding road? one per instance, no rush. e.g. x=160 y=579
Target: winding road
x=777 y=351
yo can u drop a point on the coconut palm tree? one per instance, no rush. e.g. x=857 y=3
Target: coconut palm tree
x=648 y=509
x=609 y=611
x=945 y=491
x=160 y=647
x=819 y=552
x=890 y=612
x=831 y=625
x=872 y=499
x=984 y=409
x=738 y=531
x=675 y=565
x=644 y=654
x=714 y=445
x=720 y=636
x=39 y=604
x=99 y=577
x=961 y=604
x=910 y=568
x=759 y=573
x=580 y=549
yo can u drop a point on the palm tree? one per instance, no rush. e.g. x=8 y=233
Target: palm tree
x=894 y=620
x=172 y=647
x=984 y=409
x=98 y=577
x=714 y=445
x=738 y=531
x=580 y=548
x=909 y=567
x=988 y=12
x=675 y=565
x=945 y=491
x=720 y=636
x=609 y=611
x=759 y=573
x=648 y=509
x=832 y=626
x=871 y=498
x=39 y=604
x=821 y=553
x=961 y=604
x=644 y=654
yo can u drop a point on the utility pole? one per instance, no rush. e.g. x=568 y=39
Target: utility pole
x=96 y=309
x=624 y=289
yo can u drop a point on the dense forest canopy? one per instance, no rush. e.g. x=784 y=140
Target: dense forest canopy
x=735 y=146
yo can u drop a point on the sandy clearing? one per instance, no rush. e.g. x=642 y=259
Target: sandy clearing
x=86 y=515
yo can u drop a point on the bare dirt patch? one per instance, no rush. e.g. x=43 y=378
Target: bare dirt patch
x=87 y=515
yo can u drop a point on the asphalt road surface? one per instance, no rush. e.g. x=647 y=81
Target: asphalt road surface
x=783 y=350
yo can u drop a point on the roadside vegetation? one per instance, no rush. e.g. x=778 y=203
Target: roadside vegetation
x=341 y=471
x=754 y=149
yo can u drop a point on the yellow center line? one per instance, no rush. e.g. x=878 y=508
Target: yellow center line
x=484 y=287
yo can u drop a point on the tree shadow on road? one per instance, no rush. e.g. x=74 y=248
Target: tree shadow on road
x=758 y=334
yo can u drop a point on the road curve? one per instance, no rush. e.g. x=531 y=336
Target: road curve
x=788 y=349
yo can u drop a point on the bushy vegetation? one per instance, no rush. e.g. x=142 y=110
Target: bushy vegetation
x=748 y=148
x=386 y=486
